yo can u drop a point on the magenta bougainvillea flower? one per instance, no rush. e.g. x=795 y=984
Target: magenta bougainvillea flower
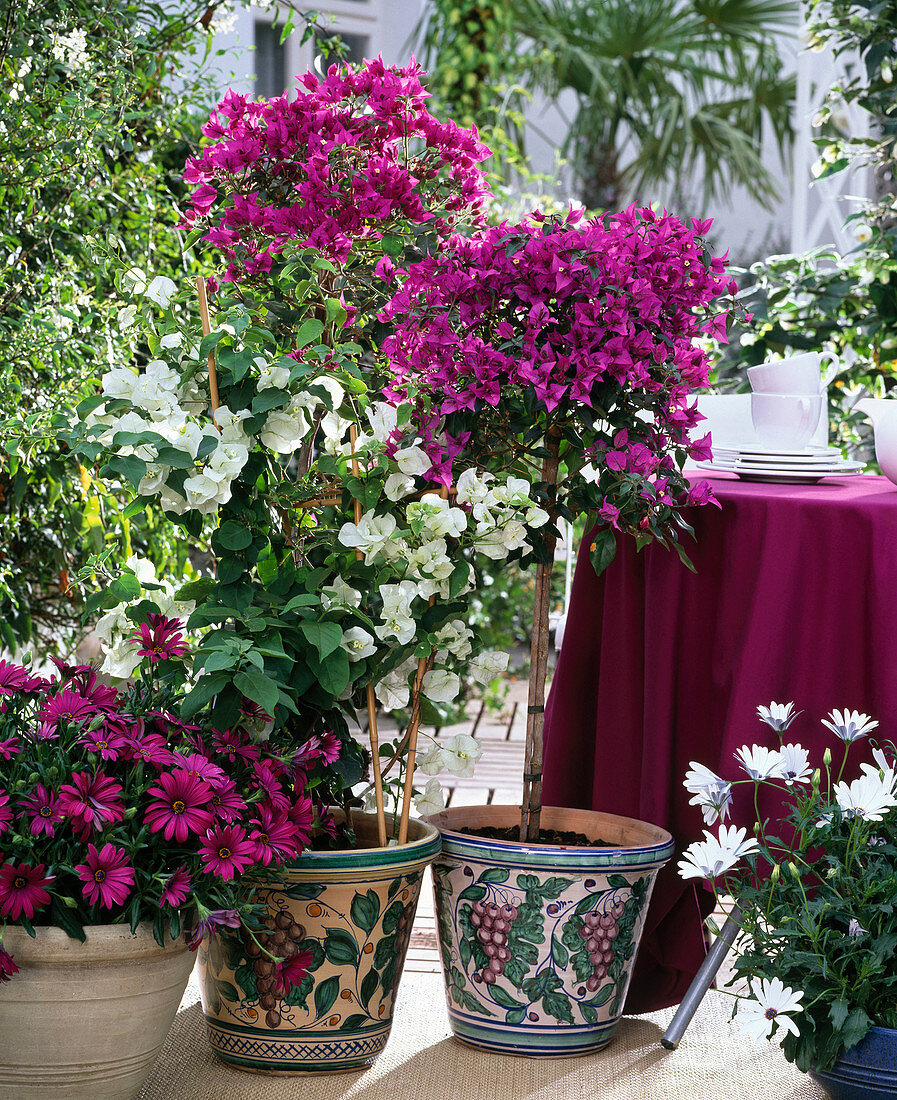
x=160 y=639
x=337 y=164
x=227 y=851
x=290 y=972
x=181 y=806
x=91 y=801
x=7 y=966
x=22 y=890
x=176 y=889
x=107 y=875
x=42 y=807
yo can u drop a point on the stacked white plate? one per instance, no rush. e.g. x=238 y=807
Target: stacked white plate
x=755 y=462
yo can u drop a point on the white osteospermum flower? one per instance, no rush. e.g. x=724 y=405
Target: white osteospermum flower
x=413 y=460
x=778 y=715
x=711 y=793
x=460 y=754
x=714 y=856
x=772 y=1003
x=372 y=535
x=339 y=594
x=358 y=643
x=870 y=797
x=432 y=800
x=161 y=290
x=796 y=764
x=440 y=686
x=760 y=762
x=850 y=724
x=484 y=667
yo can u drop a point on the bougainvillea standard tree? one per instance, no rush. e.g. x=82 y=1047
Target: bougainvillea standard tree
x=566 y=352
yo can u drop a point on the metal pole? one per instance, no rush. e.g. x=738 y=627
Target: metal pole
x=713 y=960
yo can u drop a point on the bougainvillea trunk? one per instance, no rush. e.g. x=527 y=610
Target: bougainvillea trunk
x=531 y=806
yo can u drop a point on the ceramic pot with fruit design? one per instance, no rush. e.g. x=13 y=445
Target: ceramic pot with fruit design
x=339 y=926
x=538 y=941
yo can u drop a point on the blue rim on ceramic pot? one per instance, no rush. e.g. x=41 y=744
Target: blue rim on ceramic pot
x=867 y=1071
x=538 y=941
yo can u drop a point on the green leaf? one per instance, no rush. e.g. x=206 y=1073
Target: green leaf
x=558 y=1006
x=603 y=995
x=365 y=910
x=354 y=1022
x=233 y=535
x=195 y=590
x=603 y=549
x=127 y=466
x=208 y=343
x=340 y=947
x=178 y=460
x=838 y=1012
x=309 y=333
x=560 y=953
x=125 y=588
x=259 y=688
x=206 y=688
x=325 y=637
x=325 y=994
x=269 y=399
x=333 y=673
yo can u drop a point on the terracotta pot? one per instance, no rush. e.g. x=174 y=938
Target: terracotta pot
x=538 y=941
x=87 y=1020
x=351 y=913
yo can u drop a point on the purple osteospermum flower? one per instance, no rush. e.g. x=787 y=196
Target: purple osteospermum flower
x=65 y=706
x=227 y=851
x=275 y=835
x=227 y=803
x=107 y=876
x=160 y=638
x=42 y=807
x=7 y=966
x=201 y=767
x=176 y=889
x=10 y=747
x=181 y=807
x=106 y=744
x=235 y=743
x=91 y=801
x=153 y=749
x=22 y=889
x=218 y=918
x=5 y=812
x=13 y=678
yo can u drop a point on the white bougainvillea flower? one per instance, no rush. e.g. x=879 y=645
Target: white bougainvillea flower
x=460 y=754
x=358 y=643
x=760 y=762
x=398 y=486
x=171 y=340
x=413 y=461
x=431 y=559
x=855 y=929
x=440 y=686
x=432 y=800
x=778 y=715
x=230 y=424
x=770 y=1007
x=284 y=431
x=272 y=376
x=161 y=290
x=796 y=764
x=372 y=535
x=870 y=797
x=430 y=762
x=714 y=855
x=454 y=637
x=849 y=724
x=398 y=621
x=472 y=487
x=383 y=419
x=339 y=594
x=711 y=793
x=393 y=691
x=484 y=667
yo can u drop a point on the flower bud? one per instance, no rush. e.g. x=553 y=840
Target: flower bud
x=130 y=812
x=69 y=903
x=816 y=780
x=793 y=869
x=775 y=873
x=96 y=722
x=827 y=758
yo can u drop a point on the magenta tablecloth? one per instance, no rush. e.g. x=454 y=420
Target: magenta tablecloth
x=795 y=598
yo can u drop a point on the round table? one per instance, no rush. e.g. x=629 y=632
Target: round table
x=794 y=598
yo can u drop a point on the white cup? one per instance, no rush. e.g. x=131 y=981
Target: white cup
x=785 y=420
x=797 y=374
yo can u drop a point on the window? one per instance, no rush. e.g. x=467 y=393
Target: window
x=358 y=47
x=270 y=61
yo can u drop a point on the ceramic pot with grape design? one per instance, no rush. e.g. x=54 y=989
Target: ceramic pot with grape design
x=538 y=942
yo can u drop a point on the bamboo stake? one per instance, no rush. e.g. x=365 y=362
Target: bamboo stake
x=371 y=700
x=531 y=805
x=413 y=727
x=206 y=329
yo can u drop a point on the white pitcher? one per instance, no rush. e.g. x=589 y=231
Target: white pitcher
x=882 y=411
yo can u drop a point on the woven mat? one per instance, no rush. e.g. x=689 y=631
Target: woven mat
x=422 y=1062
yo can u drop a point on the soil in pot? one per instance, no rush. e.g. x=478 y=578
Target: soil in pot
x=546 y=836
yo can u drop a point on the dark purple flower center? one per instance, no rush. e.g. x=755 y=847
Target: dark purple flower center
x=99 y=875
x=263 y=837
x=178 y=807
x=20 y=882
x=45 y=811
x=770 y=1014
x=224 y=853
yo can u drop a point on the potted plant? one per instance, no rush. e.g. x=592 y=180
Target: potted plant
x=566 y=353
x=125 y=834
x=816 y=886
x=339 y=565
